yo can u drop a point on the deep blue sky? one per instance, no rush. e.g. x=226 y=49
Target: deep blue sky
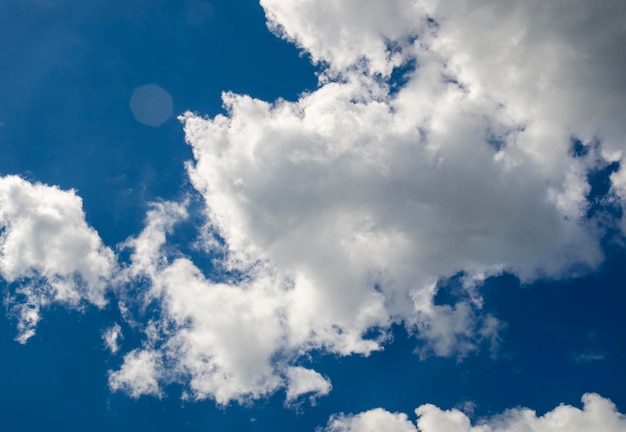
x=70 y=70
x=67 y=74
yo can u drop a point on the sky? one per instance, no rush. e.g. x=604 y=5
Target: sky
x=315 y=215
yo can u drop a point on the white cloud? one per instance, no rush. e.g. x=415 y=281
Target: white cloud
x=376 y=420
x=341 y=34
x=48 y=251
x=147 y=256
x=362 y=205
x=446 y=330
x=138 y=375
x=224 y=336
x=219 y=337
x=339 y=212
x=112 y=336
x=554 y=67
x=301 y=381
x=597 y=414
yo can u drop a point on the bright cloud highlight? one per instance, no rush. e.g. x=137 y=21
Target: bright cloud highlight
x=435 y=145
x=598 y=414
x=341 y=211
x=48 y=251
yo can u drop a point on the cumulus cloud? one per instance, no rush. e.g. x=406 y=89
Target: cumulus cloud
x=360 y=203
x=376 y=420
x=48 y=252
x=438 y=143
x=219 y=337
x=301 y=381
x=341 y=34
x=597 y=414
x=138 y=375
x=335 y=215
x=554 y=67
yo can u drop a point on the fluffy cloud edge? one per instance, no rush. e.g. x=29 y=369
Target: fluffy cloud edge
x=597 y=414
x=302 y=381
x=360 y=104
x=349 y=168
x=48 y=252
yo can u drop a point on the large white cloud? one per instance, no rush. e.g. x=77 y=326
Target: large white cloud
x=555 y=67
x=361 y=201
x=223 y=338
x=48 y=251
x=338 y=213
x=598 y=414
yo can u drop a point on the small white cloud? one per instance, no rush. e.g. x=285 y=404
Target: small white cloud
x=301 y=381
x=138 y=375
x=112 y=336
x=376 y=420
x=448 y=330
x=147 y=256
x=598 y=414
x=588 y=356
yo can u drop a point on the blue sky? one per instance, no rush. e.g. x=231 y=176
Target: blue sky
x=300 y=214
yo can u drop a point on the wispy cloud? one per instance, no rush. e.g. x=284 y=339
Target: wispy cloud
x=587 y=356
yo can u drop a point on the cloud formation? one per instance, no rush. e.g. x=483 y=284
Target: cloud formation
x=437 y=144
x=48 y=252
x=302 y=381
x=597 y=414
x=138 y=375
x=111 y=338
